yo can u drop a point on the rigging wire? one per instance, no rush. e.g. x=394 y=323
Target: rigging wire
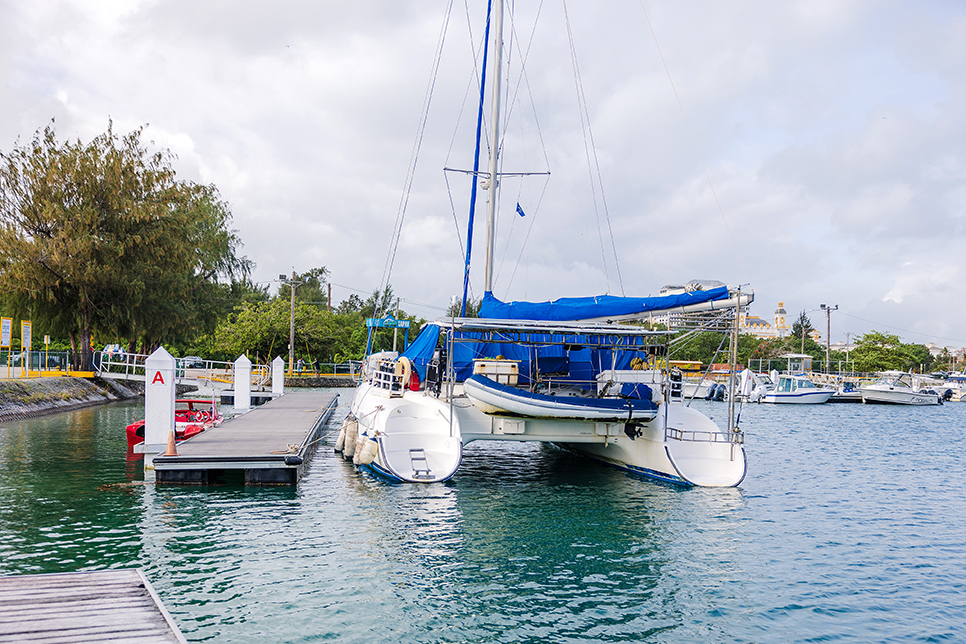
x=592 y=151
x=411 y=171
x=523 y=80
x=694 y=140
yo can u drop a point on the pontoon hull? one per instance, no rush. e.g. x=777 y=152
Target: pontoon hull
x=418 y=421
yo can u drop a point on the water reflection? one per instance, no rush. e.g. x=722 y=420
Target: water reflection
x=844 y=520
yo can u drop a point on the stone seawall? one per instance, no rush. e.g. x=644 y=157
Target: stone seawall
x=39 y=396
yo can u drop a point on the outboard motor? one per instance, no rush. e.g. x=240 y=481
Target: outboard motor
x=720 y=392
x=433 y=380
x=711 y=391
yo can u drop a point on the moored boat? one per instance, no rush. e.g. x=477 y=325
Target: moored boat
x=899 y=388
x=561 y=372
x=797 y=389
x=191 y=417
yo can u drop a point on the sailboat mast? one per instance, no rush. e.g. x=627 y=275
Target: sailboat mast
x=496 y=72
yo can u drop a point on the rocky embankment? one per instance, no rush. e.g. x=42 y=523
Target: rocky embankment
x=38 y=396
x=319 y=381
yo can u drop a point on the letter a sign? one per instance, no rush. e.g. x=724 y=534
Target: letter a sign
x=158 y=377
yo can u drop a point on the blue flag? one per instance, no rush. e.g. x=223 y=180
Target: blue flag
x=520 y=210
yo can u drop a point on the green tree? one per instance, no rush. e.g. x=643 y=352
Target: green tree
x=472 y=308
x=101 y=238
x=802 y=329
x=876 y=351
x=312 y=288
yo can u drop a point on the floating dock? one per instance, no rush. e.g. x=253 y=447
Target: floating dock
x=102 y=606
x=257 y=397
x=270 y=445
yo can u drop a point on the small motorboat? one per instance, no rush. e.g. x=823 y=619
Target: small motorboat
x=492 y=397
x=191 y=417
x=797 y=389
x=898 y=388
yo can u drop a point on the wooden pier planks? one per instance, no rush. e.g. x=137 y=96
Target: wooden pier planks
x=271 y=444
x=116 y=606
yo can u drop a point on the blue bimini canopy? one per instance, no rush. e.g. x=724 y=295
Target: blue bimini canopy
x=593 y=308
x=581 y=357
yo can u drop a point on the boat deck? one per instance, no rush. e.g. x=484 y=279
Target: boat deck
x=101 y=606
x=270 y=445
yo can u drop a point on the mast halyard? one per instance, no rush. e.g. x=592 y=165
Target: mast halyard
x=496 y=71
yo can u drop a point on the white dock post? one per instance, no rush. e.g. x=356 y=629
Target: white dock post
x=278 y=376
x=158 y=405
x=243 y=383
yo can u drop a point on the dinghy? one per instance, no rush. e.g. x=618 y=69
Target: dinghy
x=494 y=398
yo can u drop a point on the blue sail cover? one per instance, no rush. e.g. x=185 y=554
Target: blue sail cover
x=568 y=309
x=420 y=352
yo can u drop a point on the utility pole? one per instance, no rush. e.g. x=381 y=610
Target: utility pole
x=848 y=343
x=291 y=321
x=395 y=331
x=828 y=335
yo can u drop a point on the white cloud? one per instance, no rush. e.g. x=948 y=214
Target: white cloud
x=831 y=132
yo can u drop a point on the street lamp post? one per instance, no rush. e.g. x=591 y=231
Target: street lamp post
x=291 y=320
x=828 y=335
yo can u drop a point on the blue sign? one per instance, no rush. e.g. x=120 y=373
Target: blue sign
x=387 y=322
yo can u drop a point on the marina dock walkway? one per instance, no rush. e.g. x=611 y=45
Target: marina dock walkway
x=271 y=444
x=101 y=606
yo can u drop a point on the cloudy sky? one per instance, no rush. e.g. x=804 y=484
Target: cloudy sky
x=813 y=149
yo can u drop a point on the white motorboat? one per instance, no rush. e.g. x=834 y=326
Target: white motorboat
x=563 y=372
x=898 y=388
x=797 y=389
x=954 y=388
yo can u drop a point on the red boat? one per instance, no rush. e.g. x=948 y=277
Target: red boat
x=191 y=417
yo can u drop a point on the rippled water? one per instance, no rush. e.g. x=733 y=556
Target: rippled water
x=848 y=528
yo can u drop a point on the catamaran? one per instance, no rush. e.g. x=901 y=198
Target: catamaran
x=582 y=373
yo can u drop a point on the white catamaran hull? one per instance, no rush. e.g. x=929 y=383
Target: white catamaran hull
x=420 y=439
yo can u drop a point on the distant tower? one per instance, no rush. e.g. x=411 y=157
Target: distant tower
x=780 y=325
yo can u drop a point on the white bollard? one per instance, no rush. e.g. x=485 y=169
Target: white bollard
x=278 y=376
x=243 y=383
x=158 y=405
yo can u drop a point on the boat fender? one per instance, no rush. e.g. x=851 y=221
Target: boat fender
x=367 y=453
x=293 y=460
x=360 y=443
x=340 y=442
x=404 y=369
x=351 y=434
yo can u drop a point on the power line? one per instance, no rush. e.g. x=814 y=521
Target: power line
x=895 y=328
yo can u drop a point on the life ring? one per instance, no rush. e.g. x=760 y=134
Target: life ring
x=404 y=369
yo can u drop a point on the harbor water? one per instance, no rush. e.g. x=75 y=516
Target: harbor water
x=848 y=528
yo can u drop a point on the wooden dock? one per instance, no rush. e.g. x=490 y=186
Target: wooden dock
x=269 y=445
x=104 y=606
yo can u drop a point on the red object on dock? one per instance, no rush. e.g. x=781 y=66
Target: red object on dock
x=191 y=417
